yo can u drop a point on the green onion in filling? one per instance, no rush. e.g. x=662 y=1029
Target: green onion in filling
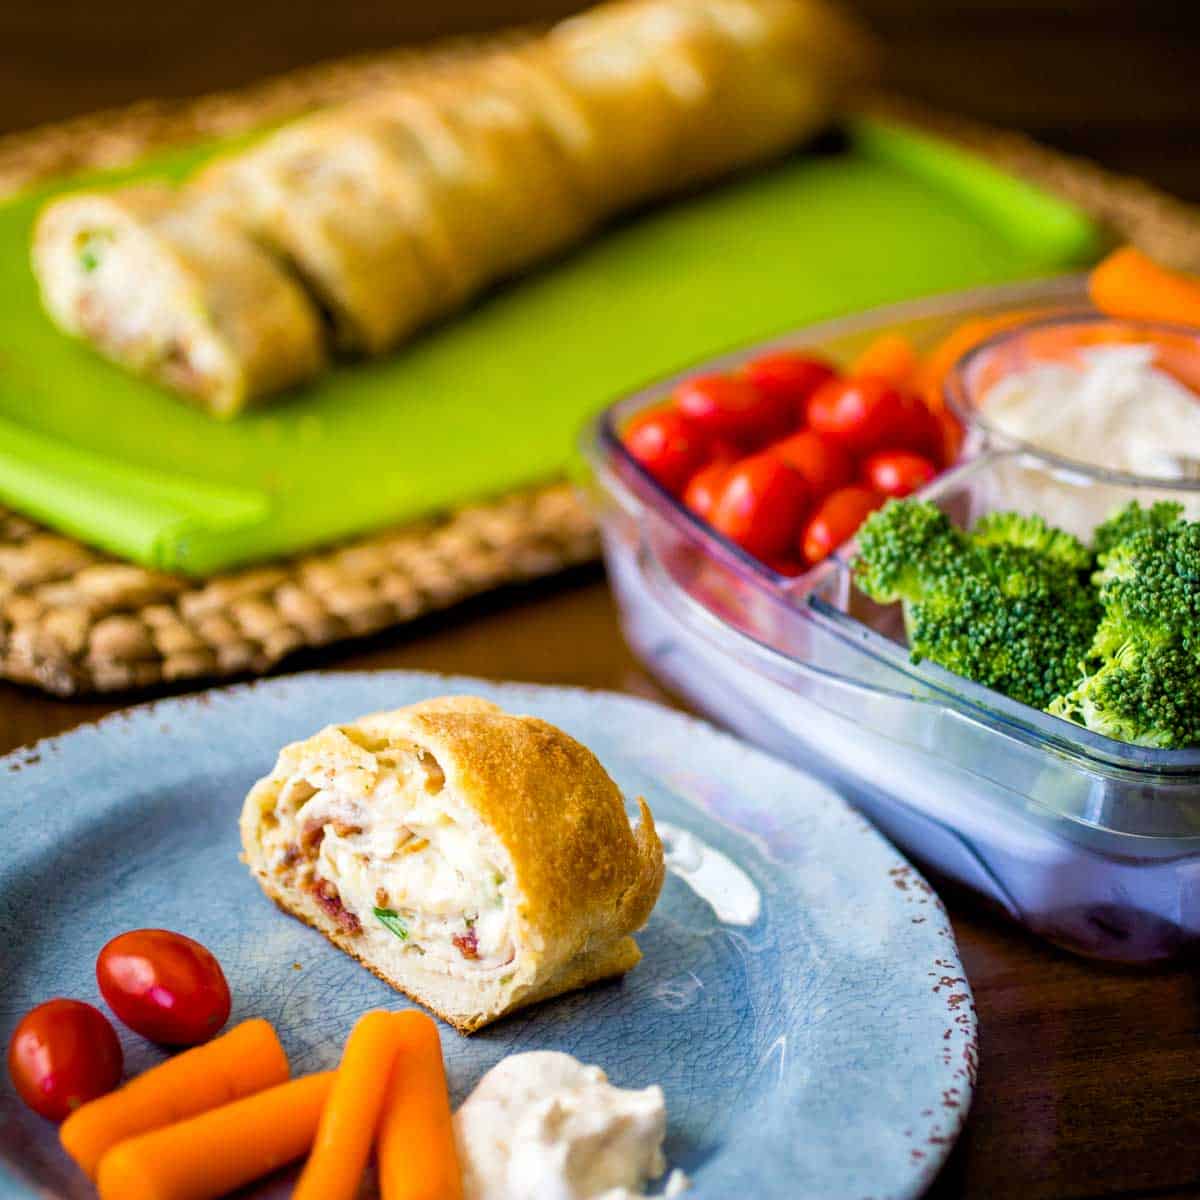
x=391 y=920
x=92 y=249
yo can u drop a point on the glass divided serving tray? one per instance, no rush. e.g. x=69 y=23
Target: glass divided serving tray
x=1091 y=842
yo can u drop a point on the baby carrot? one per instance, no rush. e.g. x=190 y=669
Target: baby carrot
x=417 y=1158
x=966 y=336
x=351 y=1117
x=890 y=356
x=1130 y=284
x=220 y=1150
x=245 y=1060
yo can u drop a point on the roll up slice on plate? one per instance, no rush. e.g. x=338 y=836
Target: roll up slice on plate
x=475 y=860
x=175 y=292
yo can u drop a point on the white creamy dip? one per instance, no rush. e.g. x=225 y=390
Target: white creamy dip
x=545 y=1125
x=713 y=876
x=1117 y=410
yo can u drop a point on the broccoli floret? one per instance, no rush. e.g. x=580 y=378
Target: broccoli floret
x=1142 y=668
x=1149 y=587
x=1143 y=694
x=902 y=545
x=1131 y=519
x=1008 y=606
x=1032 y=533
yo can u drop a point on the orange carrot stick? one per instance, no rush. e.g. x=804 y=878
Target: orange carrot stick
x=1130 y=284
x=220 y=1150
x=967 y=336
x=351 y=1117
x=245 y=1060
x=417 y=1157
x=890 y=356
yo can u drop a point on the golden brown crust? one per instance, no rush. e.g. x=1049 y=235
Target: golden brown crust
x=582 y=879
x=553 y=806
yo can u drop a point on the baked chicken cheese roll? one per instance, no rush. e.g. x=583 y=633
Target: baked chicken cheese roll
x=475 y=860
x=177 y=293
x=337 y=208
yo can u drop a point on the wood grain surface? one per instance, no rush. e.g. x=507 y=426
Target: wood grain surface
x=1090 y=1076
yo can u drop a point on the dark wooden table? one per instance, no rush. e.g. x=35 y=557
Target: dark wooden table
x=1090 y=1077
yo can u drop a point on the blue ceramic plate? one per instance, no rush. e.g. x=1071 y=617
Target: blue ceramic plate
x=801 y=1000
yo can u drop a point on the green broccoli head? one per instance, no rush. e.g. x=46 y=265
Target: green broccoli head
x=1032 y=533
x=902 y=544
x=1142 y=694
x=1144 y=660
x=1007 y=619
x=1009 y=608
x=1149 y=587
x=1131 y=519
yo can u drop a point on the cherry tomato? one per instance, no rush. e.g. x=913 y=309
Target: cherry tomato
x=723 y=450
x=897 y=472
x=867 y=413
x=63 y=1054
x=668 y=446
x=164 y=986
x=862 y=414
x=704 y=487
x=824 y=464
x=761 y=504
x=725 y=406
x=786 y=565
x=919 y=430
x=837 y=520
x=791 y=376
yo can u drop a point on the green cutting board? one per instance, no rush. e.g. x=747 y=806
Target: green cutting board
x=495 y=399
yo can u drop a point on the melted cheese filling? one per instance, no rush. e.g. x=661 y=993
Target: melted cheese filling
x=408 y=870
x=127 y=302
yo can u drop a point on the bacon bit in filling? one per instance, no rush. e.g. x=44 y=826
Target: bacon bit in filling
x=345 y=828
x=326 y=895
x=93 y=320
x=381 y=898
x=435 y=777
x=297 y=863
x=467 y=943
x=177 y=369
x=312 y=836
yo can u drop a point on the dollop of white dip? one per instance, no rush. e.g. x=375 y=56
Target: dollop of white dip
x=545 y=1125
x=1112 y=409
x=1118 y=410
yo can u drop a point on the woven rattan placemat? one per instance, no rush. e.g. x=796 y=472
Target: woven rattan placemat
x=74 y=620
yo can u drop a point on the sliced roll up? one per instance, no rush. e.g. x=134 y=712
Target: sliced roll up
x=347 y=217
x=396 y=209
x=682 y=91
x=475 y=860
x=179 y=294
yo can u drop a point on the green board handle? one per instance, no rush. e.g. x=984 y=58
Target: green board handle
x=1033 y=220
